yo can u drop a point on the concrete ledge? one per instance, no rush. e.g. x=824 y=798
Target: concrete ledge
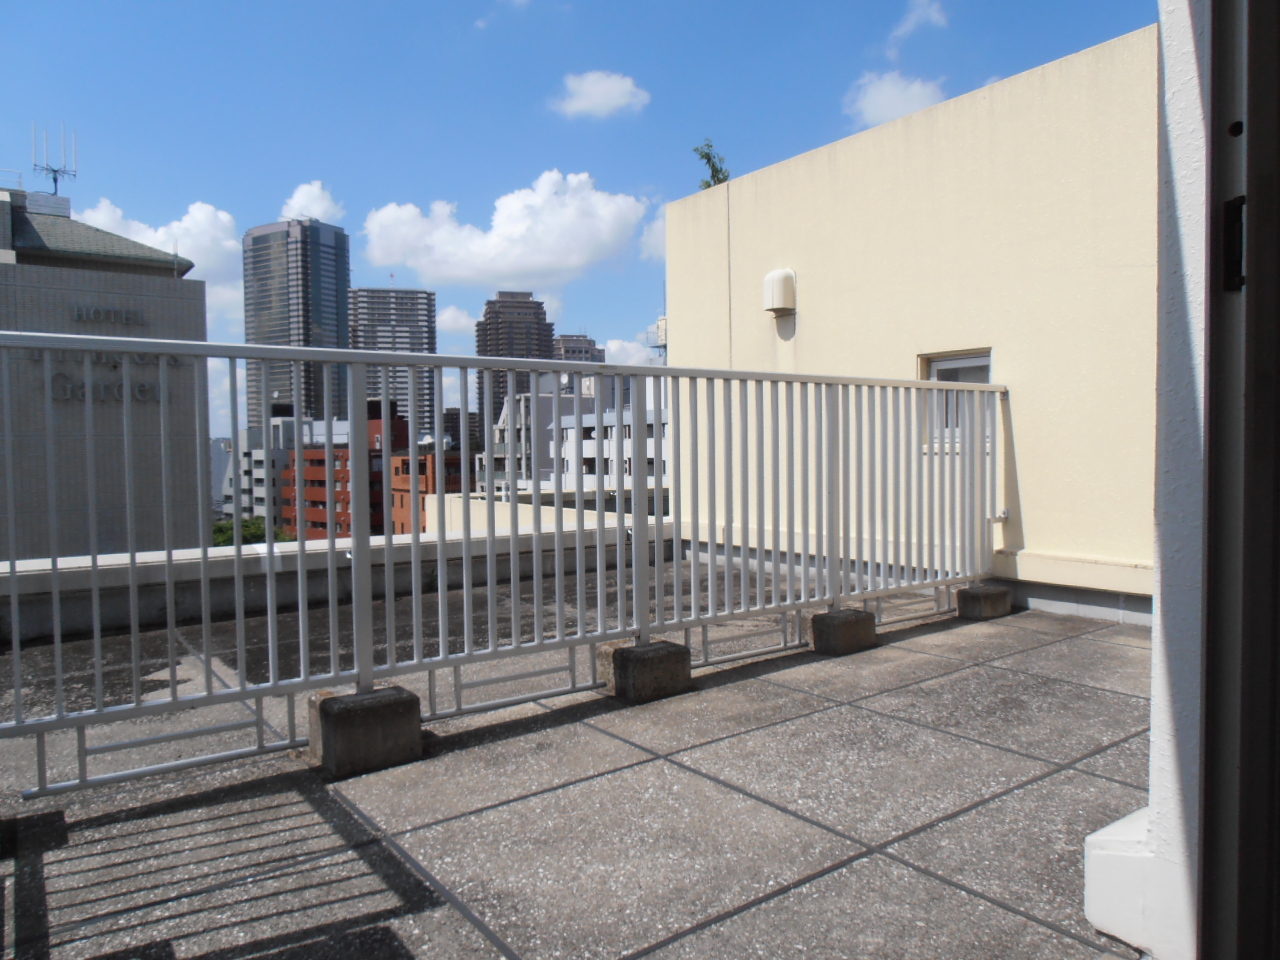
x=842 y=632
x=641 y=674
x=983 y=602
x=362 y=732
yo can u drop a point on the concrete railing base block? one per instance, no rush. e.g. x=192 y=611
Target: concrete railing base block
x=641 y=674
x=984 y=601
x=363 y=732
x=842 y=632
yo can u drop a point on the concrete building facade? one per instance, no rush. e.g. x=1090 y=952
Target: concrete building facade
x=58 y=275
x=577 y=347
x=514 y=325
x=296 y=277
x=402 y=321
x=1012 y=228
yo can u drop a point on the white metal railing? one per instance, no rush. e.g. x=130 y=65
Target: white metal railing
x=734 y=503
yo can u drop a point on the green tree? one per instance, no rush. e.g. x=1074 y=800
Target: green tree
x=252 y=530
x=715 y=164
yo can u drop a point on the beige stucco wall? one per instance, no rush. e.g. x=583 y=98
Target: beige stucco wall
x=1020 y=218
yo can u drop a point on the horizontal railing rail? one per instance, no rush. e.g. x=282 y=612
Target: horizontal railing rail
x=714 y=507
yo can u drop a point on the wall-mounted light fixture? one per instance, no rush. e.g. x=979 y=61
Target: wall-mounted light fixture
x=780 y=292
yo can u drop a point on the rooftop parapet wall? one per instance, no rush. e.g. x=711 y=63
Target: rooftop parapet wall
x=1018 y=219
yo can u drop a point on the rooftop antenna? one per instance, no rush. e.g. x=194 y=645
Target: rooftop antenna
x=61 y=171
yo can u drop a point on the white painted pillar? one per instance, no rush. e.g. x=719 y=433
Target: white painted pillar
x=1141 y=872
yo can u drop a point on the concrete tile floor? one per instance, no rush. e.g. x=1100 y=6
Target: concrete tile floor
x=928 y=798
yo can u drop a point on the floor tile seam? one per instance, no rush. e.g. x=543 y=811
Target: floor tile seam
x=903 y=686
x=994 y=901
x=433 y=882
x=555 y=788
x=826 y=707
x=772 y=804
x=1069 y=766
x=708 y=922
x=1075 y=683
x=1110 y=779
x=1115 y=643
x=979 y=663
x=860 y=705
x=967 y=808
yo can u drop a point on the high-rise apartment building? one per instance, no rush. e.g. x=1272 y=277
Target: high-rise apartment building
x=514 y=325
x=403 y=321
x=296 y=277
x=577 y=347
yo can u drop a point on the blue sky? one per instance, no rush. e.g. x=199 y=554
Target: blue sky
x=197 y=121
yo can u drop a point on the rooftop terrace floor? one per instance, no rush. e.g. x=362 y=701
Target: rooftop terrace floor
x=928 y=798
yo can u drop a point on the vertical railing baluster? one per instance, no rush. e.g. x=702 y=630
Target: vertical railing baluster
x=388 y=448
x=833 y=503
x=331 y=516
x=91 y=486
x=468 y=585
x=676 y=482
x=729 y=563
x=806 y=591
x=639 y=510
x=761 y=598
x=131 y=536
x=580 y=516
x=557 y=506
x=775 y=487
x=203 y=499
x=300 y=526
x=269 y=527
x=415 y=505
x=237 y=515
x=166 y=520
x=361 y=522
x=713 y=561
x=11 y=532
x=490 y=513
x=619 y=497
x=442 y=555
x=695 y=492
x=659 y=503
x=744 y=469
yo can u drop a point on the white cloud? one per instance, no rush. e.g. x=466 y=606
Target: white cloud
x=599 y=94
x=455 y=320
x=632 y=353
x=653 y=239
x=204 y=235
x=880 y=97
x=539 y=236
x=312 y=200
x=919 y=13
x=554 y=305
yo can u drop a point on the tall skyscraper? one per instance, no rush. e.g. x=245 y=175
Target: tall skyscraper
x=403 y=321
x=514 y=325
x=296 y=277
x=577 y=347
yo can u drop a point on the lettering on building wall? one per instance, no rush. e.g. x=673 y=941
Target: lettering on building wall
x=63 y=387
x=110 y=359
x=109 y=315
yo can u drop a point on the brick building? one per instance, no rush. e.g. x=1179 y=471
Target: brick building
x=315 y=482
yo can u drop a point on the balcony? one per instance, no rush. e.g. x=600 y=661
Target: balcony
x=942 y=781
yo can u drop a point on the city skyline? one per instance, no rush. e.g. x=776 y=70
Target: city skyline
x=605 y=102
